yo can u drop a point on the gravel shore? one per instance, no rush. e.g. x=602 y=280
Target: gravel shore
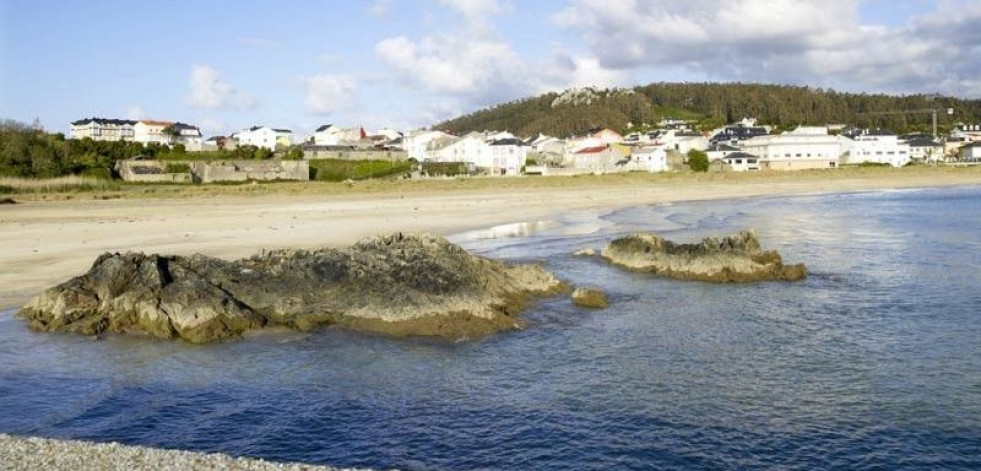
x=27 y=454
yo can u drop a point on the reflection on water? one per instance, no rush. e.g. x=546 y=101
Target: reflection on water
x=873 y=362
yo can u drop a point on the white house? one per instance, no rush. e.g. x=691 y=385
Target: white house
x=607 y=136
x=970 y=152
x=925 y=149
x=741 y=162
x=496 y=157
x=599 y=159
x=331 y=135
x=800 y=149
x=188 y=136
x=681 y=141
x=416 y=143
x=876 y=146
x=508 y=156
x=649 y=159
x=720 y=151
x=101 y=129
x=148 y=131
x=264 y=136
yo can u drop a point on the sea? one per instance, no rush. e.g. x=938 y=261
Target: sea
x=872 y=363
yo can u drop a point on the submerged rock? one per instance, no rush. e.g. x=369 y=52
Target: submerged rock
x=398 y=285
x=591 y=298
x=735 y=258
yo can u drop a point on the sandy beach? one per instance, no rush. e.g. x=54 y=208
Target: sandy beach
x=46 y=242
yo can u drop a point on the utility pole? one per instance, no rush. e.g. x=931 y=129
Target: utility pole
x=932 y=111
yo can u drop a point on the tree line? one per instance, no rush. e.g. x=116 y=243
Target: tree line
x=713 y=104
x=28 y=152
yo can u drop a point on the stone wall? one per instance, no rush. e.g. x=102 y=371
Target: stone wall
x=149 y=171
x=328 y=152
x=245 y=170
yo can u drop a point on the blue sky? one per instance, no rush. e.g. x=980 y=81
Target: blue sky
x=408 y=63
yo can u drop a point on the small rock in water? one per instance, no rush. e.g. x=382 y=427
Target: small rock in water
x=584 y=252
x=591 y=298
x=735 y=258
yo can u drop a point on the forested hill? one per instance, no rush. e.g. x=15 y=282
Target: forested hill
x=711 y=104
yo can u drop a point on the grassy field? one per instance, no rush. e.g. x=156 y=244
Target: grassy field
x=85 y=188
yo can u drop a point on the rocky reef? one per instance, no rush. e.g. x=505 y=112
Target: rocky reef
x=735 y=258
x=397 y=285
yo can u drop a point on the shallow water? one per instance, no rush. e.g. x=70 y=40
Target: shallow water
x=873 y=362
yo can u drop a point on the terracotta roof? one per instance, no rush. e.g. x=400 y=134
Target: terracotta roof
x=593 y=150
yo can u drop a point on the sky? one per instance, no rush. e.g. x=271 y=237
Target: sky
x=225 y=65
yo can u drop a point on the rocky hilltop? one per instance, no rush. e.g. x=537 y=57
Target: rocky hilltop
x=398 y=285
x=734 y=258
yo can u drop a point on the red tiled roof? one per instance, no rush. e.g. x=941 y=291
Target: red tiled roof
x=593 y=150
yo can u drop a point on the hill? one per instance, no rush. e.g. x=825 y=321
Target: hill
x=711 y=105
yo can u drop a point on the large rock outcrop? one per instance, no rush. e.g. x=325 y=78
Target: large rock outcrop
x=398 y=285
x=735 y=258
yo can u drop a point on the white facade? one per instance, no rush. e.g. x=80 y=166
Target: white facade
x=971 y=152
x=720 y=151
x=500 y=157
x=742 y=162
x=416 y=143
x=649 y=159
x=190 y=137
x=879 y=149
x=330 y=135
x=100 y=129
x=801 y=149
x=926 y=150
x=681 y=141
x=263 y=136
x=152 y=132
x=599 y=159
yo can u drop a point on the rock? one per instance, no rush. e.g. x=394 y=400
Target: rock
x=397 y=285
x=584 y=252
x=735 y=258
x=591 y=298
x=7 y=200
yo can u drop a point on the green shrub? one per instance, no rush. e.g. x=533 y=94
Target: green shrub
x=444 y=169
x=698 y=161
x=178 y=167
x=101 y=173
x=337 y=170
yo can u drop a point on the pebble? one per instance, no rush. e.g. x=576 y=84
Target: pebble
x=30 y=453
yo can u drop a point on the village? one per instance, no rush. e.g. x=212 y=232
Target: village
x=744 y=146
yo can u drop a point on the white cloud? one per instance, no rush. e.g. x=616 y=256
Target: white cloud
x=476 y=10
x=328 y=93
x=135 y=113
x=210 y=91
x=380 y=8
x=213 y=126
x=818 y=42
x=453 y=64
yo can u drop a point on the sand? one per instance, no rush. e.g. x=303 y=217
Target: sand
x=43 y=243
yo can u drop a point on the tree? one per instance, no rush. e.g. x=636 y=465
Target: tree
x=172 y=132
x=698 y=160
x=295 y=153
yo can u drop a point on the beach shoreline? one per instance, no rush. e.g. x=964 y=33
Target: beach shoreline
x=43 y=243
x=35 y=453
